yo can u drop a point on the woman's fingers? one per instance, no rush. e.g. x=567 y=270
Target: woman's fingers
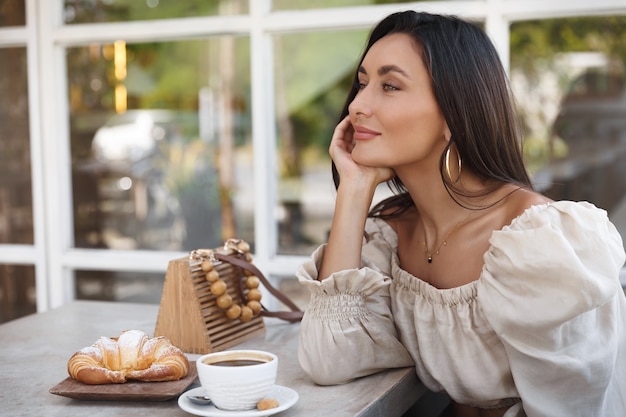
x=341 y=144
x=342 y=136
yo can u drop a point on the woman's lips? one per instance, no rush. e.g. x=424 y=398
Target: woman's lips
x=363 y=133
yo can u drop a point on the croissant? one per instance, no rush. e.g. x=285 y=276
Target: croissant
x=131 y=356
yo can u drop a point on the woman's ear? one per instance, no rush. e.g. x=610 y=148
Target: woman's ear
x=446 y=133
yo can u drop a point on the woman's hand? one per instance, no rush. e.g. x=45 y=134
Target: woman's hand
x=340 y=151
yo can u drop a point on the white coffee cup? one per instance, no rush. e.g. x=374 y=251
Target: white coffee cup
x=236 y=380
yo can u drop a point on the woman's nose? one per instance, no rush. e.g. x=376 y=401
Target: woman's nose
x=360 y=104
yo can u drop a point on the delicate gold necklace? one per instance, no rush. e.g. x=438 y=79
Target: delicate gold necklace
x=444 y=242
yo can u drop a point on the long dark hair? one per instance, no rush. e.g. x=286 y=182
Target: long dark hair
x=472 y=90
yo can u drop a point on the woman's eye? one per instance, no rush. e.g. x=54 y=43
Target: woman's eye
x=389 y=87
x=360 y=85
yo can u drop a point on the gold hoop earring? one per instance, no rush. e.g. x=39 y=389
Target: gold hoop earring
x=447 y=166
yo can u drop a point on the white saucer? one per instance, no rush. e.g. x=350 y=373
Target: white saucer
x=285 y=396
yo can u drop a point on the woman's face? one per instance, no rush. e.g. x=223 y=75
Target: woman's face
x=395 y=116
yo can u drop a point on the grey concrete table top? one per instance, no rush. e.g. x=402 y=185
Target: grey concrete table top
x=34 y=351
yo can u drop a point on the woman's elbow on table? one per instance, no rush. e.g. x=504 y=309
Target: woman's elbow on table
x=321 y=370
x=321 y=378
x=341 y=367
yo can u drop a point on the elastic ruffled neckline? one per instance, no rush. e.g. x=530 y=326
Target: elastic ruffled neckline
x=465 y=293
x=462 y=294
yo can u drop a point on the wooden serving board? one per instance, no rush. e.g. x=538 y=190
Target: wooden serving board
x=128 y=391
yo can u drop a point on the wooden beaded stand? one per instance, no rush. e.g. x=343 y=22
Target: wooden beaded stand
x=188 y=313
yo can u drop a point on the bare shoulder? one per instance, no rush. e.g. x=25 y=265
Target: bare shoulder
x=518 y=200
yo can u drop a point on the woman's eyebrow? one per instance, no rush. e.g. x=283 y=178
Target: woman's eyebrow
x=385 y=69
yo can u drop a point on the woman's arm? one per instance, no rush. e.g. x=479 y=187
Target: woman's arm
x=354 y=197
x=551 y=291
x=348 y=329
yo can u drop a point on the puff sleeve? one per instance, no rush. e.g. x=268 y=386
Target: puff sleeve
x=347 y=330
x=550 y=289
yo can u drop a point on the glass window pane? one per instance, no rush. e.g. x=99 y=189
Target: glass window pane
x=16 y=204
x=570 y=81
x=12 y=13
x=320 y=4
x=296 y=292
x=130 y=287
x=160 y=143
x=17 y=291
x=312 y=78
x=80 y=11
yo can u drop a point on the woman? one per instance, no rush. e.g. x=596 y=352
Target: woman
x=505 y=300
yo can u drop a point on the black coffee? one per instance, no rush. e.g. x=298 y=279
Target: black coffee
x=237 y=362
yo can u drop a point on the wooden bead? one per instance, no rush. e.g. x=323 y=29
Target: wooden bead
x=218 y=287
x=246 y=314
x=254 y=295
x=233 y=312
x=212 y=275
x=252 y=282
x=255 y=306
x=224 y=301
x=206 y=265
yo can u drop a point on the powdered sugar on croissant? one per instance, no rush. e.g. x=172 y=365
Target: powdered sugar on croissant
x=131 y=356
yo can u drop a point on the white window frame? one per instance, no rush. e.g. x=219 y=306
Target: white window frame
x=46 y=37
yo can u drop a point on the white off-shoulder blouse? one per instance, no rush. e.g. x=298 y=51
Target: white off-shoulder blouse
x=542 y=329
